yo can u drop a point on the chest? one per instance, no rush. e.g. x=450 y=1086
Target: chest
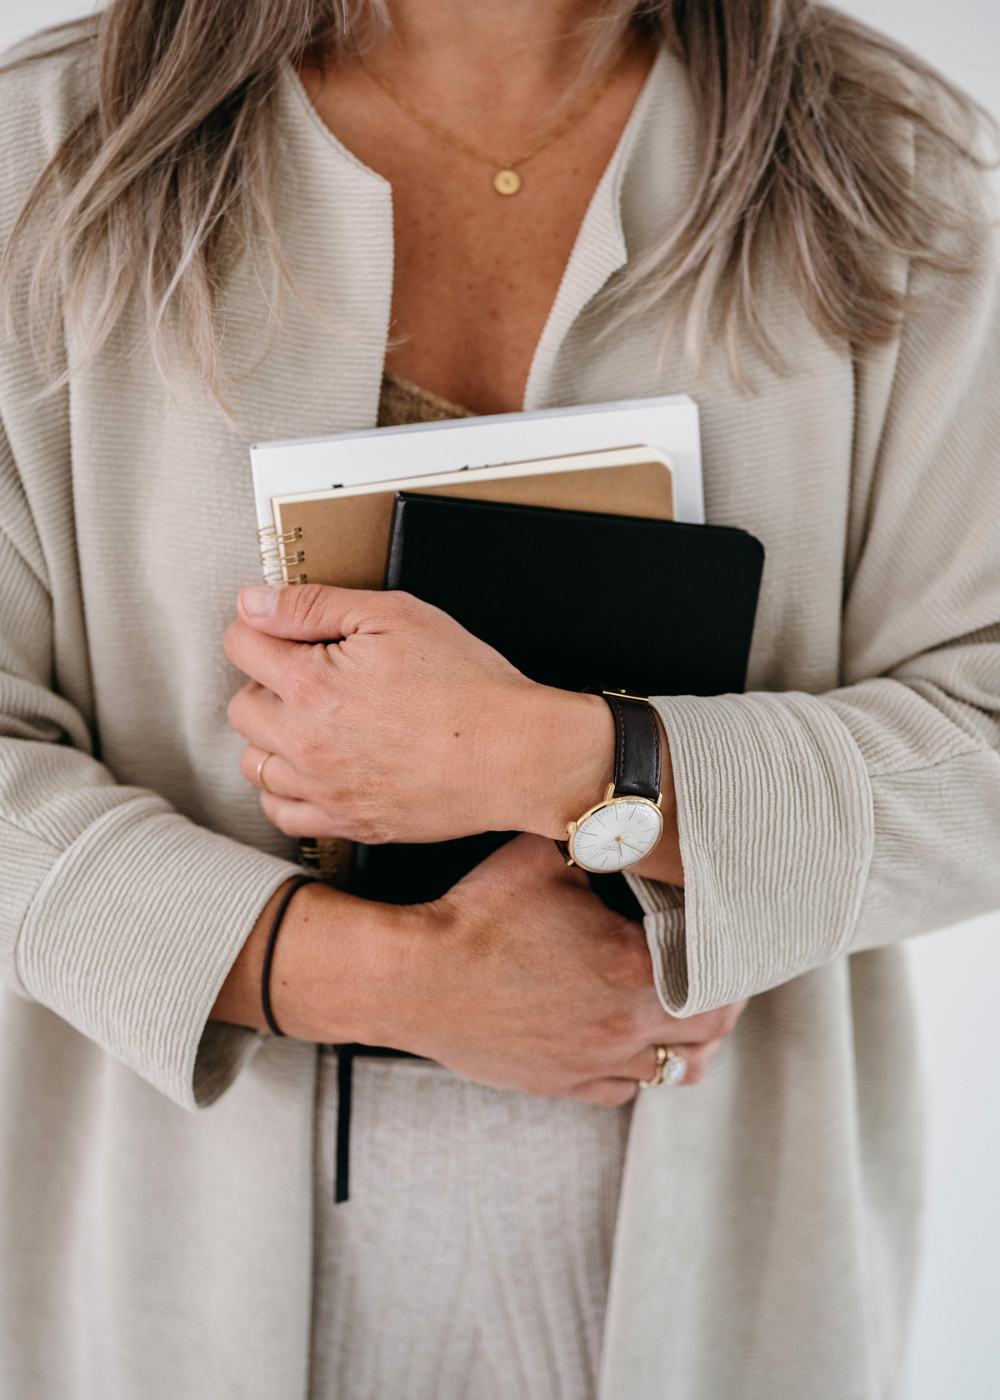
x=474 y=281
x=475 y=272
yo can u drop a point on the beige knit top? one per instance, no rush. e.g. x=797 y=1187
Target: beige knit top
x=155 y=1172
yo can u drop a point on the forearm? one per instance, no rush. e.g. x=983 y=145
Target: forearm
x=513 y=979
x=334 y=963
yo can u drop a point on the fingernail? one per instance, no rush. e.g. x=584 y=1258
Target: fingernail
x=259 y=601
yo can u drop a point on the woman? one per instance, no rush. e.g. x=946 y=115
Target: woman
x=246 y=214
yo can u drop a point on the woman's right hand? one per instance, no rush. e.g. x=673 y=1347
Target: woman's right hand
x=519 y=977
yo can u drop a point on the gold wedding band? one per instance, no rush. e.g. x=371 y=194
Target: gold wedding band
x=260 y=775
x=665 y=1057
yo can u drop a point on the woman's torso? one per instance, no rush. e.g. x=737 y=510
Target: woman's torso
x=145 y=527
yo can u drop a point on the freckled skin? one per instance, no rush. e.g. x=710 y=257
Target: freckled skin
x=476 y=273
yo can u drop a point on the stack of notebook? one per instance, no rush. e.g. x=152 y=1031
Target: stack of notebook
x=571 y=540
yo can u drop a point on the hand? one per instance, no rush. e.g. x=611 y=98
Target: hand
x=519 y=977
x=549 y=992
x=409 y=729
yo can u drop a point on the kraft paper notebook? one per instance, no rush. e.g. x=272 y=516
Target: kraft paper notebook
x=340 y=536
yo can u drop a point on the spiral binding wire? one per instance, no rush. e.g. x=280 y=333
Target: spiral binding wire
x=325 y=857
x=278 y=558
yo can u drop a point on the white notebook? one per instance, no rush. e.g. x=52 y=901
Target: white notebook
x=314 y=466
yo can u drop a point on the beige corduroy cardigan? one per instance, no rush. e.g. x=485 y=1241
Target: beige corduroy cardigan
x=155 y=1171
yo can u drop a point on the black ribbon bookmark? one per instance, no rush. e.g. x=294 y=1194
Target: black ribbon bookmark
x=346 y=1055
x=345 y=1076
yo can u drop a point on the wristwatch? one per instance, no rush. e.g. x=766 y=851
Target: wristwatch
x=623 y=828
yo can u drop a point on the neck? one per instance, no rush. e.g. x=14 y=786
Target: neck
x=489 y=53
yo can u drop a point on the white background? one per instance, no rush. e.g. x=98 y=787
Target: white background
x=955 y=1354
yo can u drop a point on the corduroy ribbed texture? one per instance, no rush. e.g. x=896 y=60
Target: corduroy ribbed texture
x=145 y=995
x=757 y=779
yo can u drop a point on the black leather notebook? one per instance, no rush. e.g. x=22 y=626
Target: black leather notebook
x=575 y=600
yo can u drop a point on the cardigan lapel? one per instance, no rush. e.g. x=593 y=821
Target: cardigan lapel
x=621 y=219
x=321 y=371
x=599 y=251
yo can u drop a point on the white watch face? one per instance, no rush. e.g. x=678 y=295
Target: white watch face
x=616 y=835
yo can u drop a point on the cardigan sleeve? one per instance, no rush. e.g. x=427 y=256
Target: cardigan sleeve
x=133 y=963
x=813 y=826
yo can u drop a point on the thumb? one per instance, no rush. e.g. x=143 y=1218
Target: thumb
x=305 y=612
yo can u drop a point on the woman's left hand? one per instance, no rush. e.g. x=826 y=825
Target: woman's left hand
x=397 y=724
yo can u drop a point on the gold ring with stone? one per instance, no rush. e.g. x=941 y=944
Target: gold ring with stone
x=670 y=1069
x=260 y=775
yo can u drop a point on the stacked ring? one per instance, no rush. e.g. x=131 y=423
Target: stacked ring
x=671 y=1069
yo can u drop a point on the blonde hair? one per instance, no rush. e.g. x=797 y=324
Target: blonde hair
x=799 y=112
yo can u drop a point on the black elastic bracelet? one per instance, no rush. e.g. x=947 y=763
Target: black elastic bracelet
x=272 y=938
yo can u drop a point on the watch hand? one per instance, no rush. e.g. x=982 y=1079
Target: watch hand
x=627 y=843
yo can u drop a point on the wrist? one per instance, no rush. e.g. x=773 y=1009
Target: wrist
x=567 y=760
x=336 y=969
x=567 y=745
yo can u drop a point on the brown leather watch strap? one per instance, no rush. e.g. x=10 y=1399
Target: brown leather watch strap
x=637 y=746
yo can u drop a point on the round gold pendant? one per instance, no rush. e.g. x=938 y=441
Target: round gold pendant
x=506 y=182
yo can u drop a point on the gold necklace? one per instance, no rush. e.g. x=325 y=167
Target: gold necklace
x=506 y=181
